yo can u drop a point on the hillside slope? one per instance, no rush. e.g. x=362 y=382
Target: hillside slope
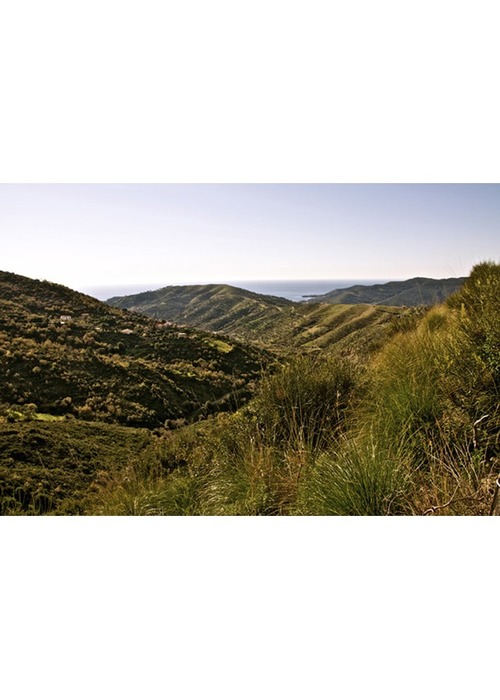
x=271 y=322
x=419 y=291
x=51 y=466
x=215 y=307
x=71 y=354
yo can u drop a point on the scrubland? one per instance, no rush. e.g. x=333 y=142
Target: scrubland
x=412 y=430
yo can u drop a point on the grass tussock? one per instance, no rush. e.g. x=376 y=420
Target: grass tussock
x=359 y=476
x=306 y=403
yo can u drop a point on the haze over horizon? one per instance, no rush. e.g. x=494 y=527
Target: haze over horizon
x=147 y=236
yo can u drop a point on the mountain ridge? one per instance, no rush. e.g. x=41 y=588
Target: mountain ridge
x=416 y=291
x=273 y=322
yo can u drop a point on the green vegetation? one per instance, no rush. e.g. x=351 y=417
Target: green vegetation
x=51 y=467
x=414 y=431
x=252 y=462
x=412 y=428
x=271 y=322
x=70 y=354
x=210 y=306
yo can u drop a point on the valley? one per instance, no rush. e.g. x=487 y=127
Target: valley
x=270 y=322
x=212 y=400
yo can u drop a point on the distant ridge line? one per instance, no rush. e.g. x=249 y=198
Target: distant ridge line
x=417 y=291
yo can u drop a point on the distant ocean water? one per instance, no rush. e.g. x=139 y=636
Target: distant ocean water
x=298 y=290
x=295 y=290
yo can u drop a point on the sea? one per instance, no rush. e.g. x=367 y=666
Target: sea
x=295 y=290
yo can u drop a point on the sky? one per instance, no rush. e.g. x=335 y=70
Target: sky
x=86 y=236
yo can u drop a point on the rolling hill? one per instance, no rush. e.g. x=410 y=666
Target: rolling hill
x=419 y=291
x=69 y=354
x=214 y=307
x=271 y=322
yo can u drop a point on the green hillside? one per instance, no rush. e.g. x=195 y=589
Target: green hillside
x=214 y=307
x=97 y=407
x=271 y=322
x=419 y=291
x=52 y=466
x=412 y=430
x=69 y=354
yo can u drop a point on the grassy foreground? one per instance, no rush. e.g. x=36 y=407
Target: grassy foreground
x=413 y=432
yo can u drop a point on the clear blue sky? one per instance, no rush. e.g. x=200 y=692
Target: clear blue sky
x=95 y=235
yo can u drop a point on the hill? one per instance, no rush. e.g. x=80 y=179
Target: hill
x=214 y=307
x=419 y=291
x=271 y=322
x=65 y=353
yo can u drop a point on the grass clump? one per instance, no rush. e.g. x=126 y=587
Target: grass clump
x=297 y=412
x=359 y=476
x=306 y=403
x=137 y=493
